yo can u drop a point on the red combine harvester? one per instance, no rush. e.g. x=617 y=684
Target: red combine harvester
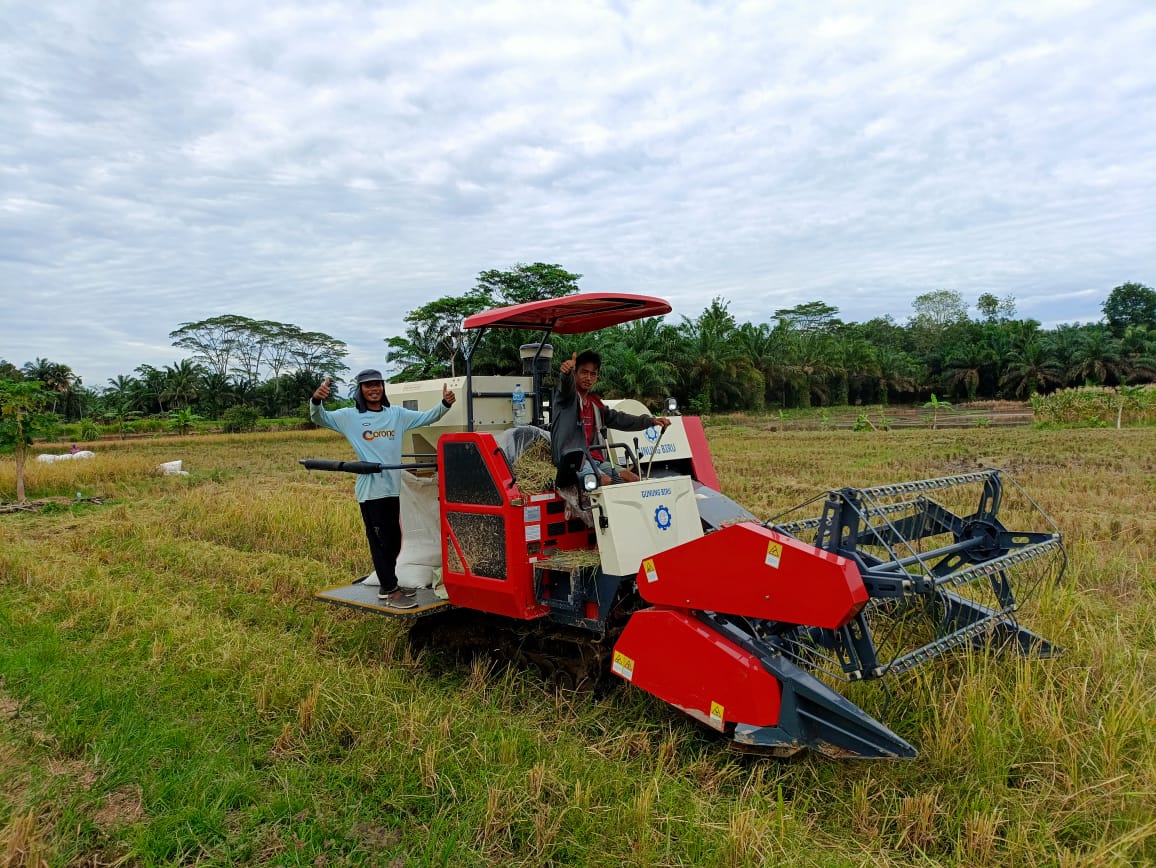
x=751 y=627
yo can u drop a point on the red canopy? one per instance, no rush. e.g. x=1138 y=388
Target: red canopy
x=571 y=314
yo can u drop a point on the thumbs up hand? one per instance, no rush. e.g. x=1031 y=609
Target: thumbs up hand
x=568 y=365
x=322 y=391
x=448 y=396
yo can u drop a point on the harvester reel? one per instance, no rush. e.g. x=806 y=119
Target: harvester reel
x=941 y=572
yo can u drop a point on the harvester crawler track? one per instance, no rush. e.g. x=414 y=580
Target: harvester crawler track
x=568 y=658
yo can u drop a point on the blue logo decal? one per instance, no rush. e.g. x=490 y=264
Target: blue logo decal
x=652 y=433
x=662 y=518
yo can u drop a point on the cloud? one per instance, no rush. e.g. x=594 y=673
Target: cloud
x=336 y=165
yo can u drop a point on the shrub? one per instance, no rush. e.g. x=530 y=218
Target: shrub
x=1096 y=406
x=239 y=419
x=149 y=425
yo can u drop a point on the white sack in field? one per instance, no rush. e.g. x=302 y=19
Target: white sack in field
x=172 y=468
x=47 y=458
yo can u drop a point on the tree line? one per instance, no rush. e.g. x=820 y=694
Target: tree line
x=804 y=356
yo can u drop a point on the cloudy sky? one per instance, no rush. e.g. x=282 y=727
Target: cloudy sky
x=333 y=165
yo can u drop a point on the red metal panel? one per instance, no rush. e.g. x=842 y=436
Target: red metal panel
x=571 y=314
x=684 y=662
x=512 y=595
x=747 y=569
x=702 y=465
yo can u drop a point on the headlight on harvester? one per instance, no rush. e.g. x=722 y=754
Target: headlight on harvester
x=672 y=406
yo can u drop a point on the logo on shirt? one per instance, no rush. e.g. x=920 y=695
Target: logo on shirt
x=375 y=435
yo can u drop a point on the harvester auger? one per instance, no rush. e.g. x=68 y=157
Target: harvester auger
x=752 y=628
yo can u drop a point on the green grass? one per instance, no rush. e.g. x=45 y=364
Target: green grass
x=170 y=693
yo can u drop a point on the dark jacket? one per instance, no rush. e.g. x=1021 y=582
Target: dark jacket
x=567 y=436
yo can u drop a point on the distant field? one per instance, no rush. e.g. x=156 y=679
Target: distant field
x=171 y=694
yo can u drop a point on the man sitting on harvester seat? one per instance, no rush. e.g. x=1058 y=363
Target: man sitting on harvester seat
x=580 y=419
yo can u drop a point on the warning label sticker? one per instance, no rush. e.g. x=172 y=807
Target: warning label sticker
x=716 y=714
x=622 y=666
x=648 y=568
x=774 y=554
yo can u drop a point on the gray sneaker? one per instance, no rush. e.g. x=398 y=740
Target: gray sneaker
x=399 y=598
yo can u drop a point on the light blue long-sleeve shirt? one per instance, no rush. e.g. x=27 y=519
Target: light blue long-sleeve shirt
x=375 y=436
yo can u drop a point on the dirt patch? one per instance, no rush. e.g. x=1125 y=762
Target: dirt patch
x=121 y=807
x=73 y=770
x=375 y=837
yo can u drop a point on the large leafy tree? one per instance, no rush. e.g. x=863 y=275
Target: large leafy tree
x=23 y=415
x=524 y=283
x=939 y=309
x=213 y=341
x=434 y=339
x=239 y=348
x=993 y=309
x=938 y=319
x=1130 y=304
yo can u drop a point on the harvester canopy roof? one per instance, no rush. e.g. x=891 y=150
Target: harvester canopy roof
x=571 y=314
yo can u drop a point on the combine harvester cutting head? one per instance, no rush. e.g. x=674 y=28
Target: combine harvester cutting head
x=764 y=618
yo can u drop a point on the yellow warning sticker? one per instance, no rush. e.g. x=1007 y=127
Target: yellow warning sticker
x=774 y=553
x=622 y=666
x=716 y=714
x=648 y=568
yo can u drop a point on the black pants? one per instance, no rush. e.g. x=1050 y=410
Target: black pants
x=382 y=519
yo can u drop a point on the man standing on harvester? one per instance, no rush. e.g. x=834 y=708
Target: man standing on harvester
x=580 y=419
x=374 y=429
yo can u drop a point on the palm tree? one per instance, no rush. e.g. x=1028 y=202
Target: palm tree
x=421 y=354
x=153 y=384
x=632 y=374
x=1138 y=347
x=59 y=382
x=1097 y=358
x=182 y=383
x=712 y=365
x=217 y=394
x=964 y=365
x=1031 y=369
x=898 y=373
